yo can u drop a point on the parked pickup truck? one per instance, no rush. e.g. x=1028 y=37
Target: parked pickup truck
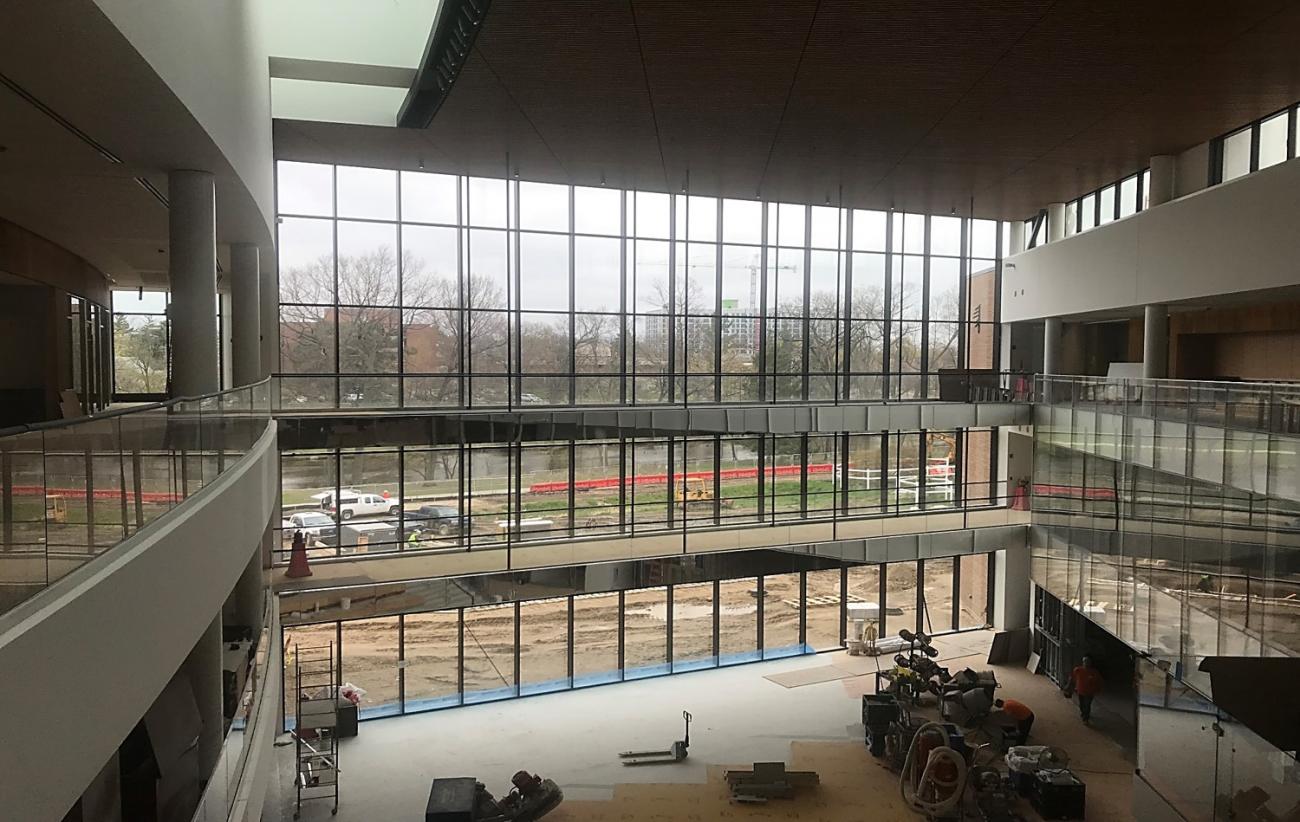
x=440 y=519
x=355 y=503
x=314 y=525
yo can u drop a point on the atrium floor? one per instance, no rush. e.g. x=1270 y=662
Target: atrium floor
x=741 y=715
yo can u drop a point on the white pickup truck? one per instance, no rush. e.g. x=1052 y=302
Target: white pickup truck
x=355 y=503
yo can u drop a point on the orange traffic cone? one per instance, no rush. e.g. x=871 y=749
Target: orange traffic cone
x=298 y=566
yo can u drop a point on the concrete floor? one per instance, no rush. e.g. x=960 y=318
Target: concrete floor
x=740 y=716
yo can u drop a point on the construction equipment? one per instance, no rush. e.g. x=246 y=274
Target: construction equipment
x=933 y=777
x=767 y=780
x=674 y=754
x=56 y=508
x=696 y=492
x=465 y=798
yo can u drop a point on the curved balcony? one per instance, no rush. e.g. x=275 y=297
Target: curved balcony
x=123 y=537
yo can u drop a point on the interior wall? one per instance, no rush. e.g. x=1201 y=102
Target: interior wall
x=1166 y=254
x=213 y=57
x=34 y=351
x=1254 y=342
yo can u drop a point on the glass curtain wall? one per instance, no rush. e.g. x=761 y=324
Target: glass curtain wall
x=460 y=496
x=425 y=661
x=141 y=343
x=427 y=290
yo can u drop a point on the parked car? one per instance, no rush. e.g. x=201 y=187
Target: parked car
x=531 y=399
x=440 y=519
x=315 y=526
x=355 y=503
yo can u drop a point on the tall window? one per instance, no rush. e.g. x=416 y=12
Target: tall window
x=140 y=342
x=429 y=290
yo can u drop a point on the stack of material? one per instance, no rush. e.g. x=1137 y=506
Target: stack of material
x=767 y=780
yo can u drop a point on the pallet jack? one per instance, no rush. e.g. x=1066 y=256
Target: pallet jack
x=674 y=754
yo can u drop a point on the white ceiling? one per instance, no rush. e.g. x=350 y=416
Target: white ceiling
x=69 y=57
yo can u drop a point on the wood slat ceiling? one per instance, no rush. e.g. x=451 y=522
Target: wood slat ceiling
x=922 y=106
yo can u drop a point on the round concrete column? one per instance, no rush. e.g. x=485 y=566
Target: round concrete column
x=1055 y=222
x=192 y=238
x=1052 y=331
x=1155 y=342
x=246 y=314
x=1160 y=180
x=1016 y=240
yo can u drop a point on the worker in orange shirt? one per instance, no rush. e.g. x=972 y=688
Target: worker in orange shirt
x=1086 y=681
x=1019 y=712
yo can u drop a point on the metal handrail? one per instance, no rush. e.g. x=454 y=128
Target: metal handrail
x=46 y=425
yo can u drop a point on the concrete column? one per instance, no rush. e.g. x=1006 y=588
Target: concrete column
x=192 y=238
x=202 y=668
x=1052 y=330
x=1017 y=239
x=1160 y=180
x=1011 y=588
x=1155 y=342
x=269 y=295
x=246 y=314
x=1055 y=222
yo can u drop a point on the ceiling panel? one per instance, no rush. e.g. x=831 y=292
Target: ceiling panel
x=1003 y=104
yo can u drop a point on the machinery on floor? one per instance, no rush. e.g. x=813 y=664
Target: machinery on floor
x=465 y=799
x=676 y=753
x=956 y=767
x=767 y=780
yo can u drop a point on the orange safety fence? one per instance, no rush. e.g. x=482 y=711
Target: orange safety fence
x=662 y=479
x=98 y=493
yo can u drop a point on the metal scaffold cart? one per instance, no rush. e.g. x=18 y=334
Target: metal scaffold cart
x=316 y=743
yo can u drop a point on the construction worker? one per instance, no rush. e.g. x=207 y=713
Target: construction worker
x=1020 y=713
x=1086 y=681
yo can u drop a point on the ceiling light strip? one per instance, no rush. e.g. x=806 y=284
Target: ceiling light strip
x=99 y=147
x=445 y=53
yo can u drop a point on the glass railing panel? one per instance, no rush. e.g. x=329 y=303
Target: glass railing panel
x=71 y=491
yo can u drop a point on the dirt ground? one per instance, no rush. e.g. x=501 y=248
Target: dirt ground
x=371 y=646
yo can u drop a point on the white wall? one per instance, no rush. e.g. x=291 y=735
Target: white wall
x=1243 y=235
x=212 y=55
x=83 y=660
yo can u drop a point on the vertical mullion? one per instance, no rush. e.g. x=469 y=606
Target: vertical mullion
x=762 y=310
x=846 y=316
x=803 y=475
x=622 y=298
x=464 y=310
x=956 y=593
x=717 y=479
x=807 y=294
x=963 y=298
x=1254 y=147
x=401 y=313
x=573 y=312
x=672 y=298
x=925 y=307
x=668 y=608
x=999 y=252
x=803 y=611
x=920 y=596
x=844 y=603
x=514 y=301
x=758 y=630
x=717 y=307
x=959 y=474
x=401 y=663
x=622 y=638
x=570 y=632
x=842 y=504
x=885 y=473
x=460 y=655
x=401 y=495
x=762 y=477
x=717 y=622
x=887 y=336
x=334 y=231
x=623 y=475
x=573 y=452
x=882 y=580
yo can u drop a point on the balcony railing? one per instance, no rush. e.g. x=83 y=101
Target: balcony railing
x=71 y=490
x=1273 y=407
